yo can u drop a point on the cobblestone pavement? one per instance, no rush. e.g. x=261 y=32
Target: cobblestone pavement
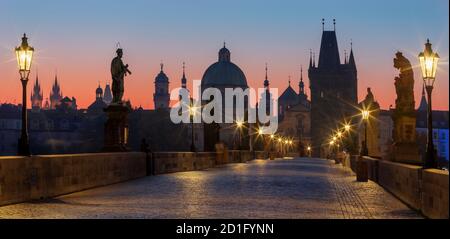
x=289 y=188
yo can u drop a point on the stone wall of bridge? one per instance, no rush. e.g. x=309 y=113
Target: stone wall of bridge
x=36 y=177
x=426 y=190
x=171 y=162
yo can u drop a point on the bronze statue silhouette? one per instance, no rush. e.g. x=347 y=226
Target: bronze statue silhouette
x=404 y=84
x=118 y=72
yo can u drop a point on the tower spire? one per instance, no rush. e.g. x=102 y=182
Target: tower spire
x=266 y=80
x=334 y=24
x=183 y=79
x=345 y=56
x=266 y=71
x=323 y=24
x=301 y=85
x=351 y=60
x=289 y=80
x=310 y=57
x=423 y=106
x=314 y=59
x=162 y=65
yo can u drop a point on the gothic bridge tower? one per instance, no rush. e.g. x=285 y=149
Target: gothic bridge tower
x=333 y=90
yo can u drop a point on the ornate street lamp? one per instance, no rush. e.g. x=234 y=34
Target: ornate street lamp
x=365 y=115
x=428 y=63
x=309 y=150
x=24 y=55
x=192 y=111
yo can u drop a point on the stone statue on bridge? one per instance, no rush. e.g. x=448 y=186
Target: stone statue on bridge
x=118 y=71
x=404 y=148
x=404 y=85
x=116 y=126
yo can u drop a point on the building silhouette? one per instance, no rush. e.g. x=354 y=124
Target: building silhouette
x=333 y=90
x=37 y=95
x=56 y=94
x=161 y=97
x=107 y=96
x=294 y=116
x=221 y=75
x=99 y=104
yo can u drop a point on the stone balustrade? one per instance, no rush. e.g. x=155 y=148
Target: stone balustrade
x=424 y=190
x=36 y=177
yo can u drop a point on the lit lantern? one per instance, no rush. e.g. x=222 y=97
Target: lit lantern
x=428 y=63
x=24 y=55
x=365 y=114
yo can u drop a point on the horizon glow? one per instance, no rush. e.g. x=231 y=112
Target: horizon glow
x=78 y=41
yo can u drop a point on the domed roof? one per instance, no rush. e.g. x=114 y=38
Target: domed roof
x=162 y=77
x=224 y=73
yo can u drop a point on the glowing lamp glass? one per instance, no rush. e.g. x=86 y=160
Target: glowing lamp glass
x=24 y=55
x=428 y=64
x=365 y=114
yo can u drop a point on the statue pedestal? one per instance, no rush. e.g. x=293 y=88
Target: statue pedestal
x=116 y=128
x=405 y=149
x=406 y=153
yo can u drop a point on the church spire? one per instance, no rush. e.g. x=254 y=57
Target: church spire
x=37 y=94
x=266 y=81
x=310 y=58
x=301 y=85
x=314 y=59
x=351 y=60
x=345 y=56
x=423 y=106
x=183 y=79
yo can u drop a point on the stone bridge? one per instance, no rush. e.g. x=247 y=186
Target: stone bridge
x=235 y=187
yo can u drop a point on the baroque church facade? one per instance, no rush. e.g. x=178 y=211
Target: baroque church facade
x=294 y=116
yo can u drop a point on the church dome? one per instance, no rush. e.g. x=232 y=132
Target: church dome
x=162 y=77
x=224 y=73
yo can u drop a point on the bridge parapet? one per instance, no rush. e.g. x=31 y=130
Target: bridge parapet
x=43 y=176
x=426 y=190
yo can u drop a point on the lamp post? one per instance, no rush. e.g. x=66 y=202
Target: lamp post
x=24 y=55
x=365 y=115
x=239 y=125
x=309 y=151
x=272 y=137
x=428 y=63
x=192 y=114
x=280 y=145
x=261 y=134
